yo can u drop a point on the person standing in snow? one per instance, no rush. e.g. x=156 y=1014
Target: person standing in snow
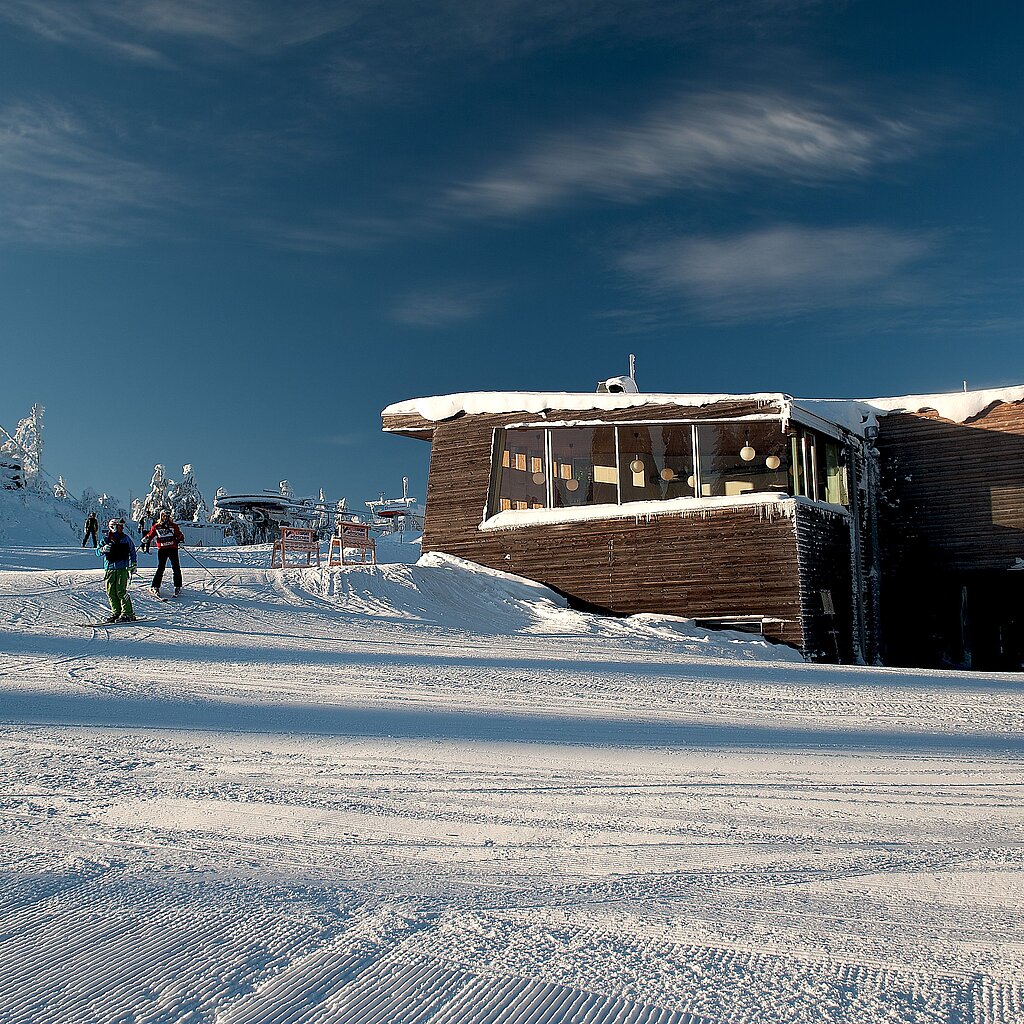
x=118 y=553
x=168 y=536
x=92 y=527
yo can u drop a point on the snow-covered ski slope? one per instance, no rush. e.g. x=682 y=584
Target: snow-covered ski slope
x=434 y=794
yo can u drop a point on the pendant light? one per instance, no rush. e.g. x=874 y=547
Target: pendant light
x=747 y=453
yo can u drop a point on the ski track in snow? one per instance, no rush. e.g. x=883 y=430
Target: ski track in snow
x=430 y=794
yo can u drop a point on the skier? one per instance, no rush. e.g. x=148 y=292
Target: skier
x=118 y=553
x=167 y=536
x=92 y=527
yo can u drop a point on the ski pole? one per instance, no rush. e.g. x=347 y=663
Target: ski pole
x=196 y=560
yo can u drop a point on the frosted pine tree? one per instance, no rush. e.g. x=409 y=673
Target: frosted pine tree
x=60 y=491
x=220 y=516
x=286 y=489
x=109 y=507
x=240 y=529
x=158 y=497
x=90 y=501
x=26 y=445
x=187 y=501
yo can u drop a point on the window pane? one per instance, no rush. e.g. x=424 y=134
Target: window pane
x=583 y=462
x=520 y=480
x=835 y=475
x=738 y=458
x=655 y=462
x=815 y=471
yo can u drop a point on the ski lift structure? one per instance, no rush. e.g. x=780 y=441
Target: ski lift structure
x=265 y=512
x=396 y=515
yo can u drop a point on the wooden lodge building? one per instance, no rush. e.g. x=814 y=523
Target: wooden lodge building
x=883 y=531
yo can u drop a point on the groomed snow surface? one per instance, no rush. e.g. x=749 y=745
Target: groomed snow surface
x=430 y=793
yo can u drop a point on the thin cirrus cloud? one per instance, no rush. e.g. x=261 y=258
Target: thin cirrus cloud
x=786 y=270
x=444 y=307
x=137 y=29
x=62 y=183
x=701 y=142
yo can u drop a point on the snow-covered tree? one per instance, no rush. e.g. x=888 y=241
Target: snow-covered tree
x=60 y=491
x=220 y=516
x=286 y=489
x=241 y=529
x=109 y=507
x=186 y=500
x=157 y=498
x=90 y=501
x=26 y=445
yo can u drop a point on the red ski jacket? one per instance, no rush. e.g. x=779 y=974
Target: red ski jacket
x=166 y=536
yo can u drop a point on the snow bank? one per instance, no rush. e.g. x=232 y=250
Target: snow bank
x=478 y=598
x=30 y=518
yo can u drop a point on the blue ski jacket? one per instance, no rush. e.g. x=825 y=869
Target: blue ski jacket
x=117 y=544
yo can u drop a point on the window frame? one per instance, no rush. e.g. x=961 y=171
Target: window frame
x=806 y=440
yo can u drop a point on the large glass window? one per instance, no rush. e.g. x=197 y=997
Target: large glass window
x=656 y=461
x=564 y=467
x=738 y=458
x=521 y=475
x=583 y=466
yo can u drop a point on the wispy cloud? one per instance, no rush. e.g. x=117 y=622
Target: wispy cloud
x=62 y=181
x=701 y=141
x=367 y=29
x=444 y=307
x=139 y=30
x=786 y=270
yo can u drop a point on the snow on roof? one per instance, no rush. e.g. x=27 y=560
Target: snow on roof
x=852 y=413
x=444 y=407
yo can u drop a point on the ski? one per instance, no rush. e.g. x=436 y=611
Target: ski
x=103 y=625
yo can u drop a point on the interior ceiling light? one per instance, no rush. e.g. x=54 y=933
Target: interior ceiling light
x=746 y=452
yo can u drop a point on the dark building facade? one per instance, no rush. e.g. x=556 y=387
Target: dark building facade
x=853 y=531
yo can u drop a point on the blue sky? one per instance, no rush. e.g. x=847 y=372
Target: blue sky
x=231 y=233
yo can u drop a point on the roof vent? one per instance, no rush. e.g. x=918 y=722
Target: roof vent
x=617 y=386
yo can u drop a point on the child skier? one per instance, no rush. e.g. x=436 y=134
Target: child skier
x=168 y=536
x=118 y=552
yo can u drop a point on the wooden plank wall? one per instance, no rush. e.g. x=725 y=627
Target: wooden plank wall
x=954 y=492
x=951 y=507
x=730 y=562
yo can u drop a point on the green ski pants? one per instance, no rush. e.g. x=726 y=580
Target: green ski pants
x=117 y=581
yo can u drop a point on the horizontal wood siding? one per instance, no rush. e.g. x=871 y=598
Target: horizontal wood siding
x=954 y=492
x=951 y=513
x=733 y=561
